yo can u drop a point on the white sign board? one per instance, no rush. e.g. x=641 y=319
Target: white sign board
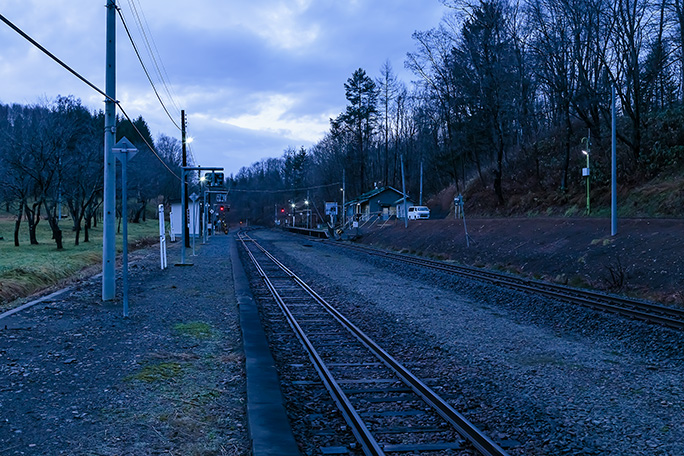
x=330 y=208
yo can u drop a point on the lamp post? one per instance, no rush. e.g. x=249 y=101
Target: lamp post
x=293 y=205
x=586 y=172
x=203 y=183
x=308 y=214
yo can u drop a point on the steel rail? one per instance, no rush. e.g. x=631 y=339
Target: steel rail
x=650 y=312
x=461 y=424
x=368 y=443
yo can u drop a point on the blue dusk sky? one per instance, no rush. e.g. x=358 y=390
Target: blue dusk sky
x=254 y=77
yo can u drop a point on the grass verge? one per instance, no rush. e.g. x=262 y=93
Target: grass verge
x=28 y=268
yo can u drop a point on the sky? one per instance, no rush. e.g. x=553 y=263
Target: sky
x=253 y=76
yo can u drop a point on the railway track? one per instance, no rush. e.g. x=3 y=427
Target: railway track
x=388 y=408
x=641 y=310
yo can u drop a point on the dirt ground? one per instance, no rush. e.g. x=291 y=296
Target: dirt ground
x=79 y=379
x=645 y=258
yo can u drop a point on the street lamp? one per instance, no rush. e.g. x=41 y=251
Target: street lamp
x=343 y=208
x=293 y=213
x=587 y=173
x=205 y=215
x=308 y=213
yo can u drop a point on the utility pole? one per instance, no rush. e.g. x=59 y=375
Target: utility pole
x=109 y=205
x=184 y=193
x=344 y=196
x=403 y=190
x=613 y=171
x=420 y=198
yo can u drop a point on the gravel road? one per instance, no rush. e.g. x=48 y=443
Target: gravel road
x=556 y=379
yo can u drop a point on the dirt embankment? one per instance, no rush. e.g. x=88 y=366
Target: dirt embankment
x=644 y=259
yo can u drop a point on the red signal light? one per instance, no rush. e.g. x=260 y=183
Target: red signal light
x=282 y=211
x=221 y=208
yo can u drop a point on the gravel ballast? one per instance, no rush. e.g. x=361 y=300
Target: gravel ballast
x=555 y=378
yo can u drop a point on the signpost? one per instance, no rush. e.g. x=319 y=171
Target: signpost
x=184 y=205
x=331 y=210
x=220 y=196
x=459 y=203
x=123 y=151
x=193 y=198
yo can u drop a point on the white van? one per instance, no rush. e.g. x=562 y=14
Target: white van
x=418 y=212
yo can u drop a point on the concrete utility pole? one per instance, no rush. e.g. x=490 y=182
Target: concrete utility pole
x=613 y=172
x=109 y=206
x=403 y=190
x=344 y=197
x=420 y=198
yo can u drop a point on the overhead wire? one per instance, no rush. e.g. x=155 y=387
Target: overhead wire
x=152 y=50
x=88 y=83
x=191 y=152
x=54 y=57
x=157 y=61
x=285 y=190
x=147 y=143
x=137 y=53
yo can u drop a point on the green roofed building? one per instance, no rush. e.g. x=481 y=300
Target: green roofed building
x=379 y=202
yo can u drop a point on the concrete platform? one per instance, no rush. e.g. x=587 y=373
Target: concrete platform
x=268 y=424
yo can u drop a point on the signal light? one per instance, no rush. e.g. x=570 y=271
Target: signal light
x=282 y=211
x=222 y=208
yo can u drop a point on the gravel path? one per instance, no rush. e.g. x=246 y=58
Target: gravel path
x=557 y=379
x=78 y=379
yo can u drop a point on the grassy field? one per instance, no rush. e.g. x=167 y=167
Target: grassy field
x=29 y=268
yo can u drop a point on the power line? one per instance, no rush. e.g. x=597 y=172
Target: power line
x=286 y=190
x=135 y=48
x=54 y=57
x=152 y=49
x=148 y=144
x=90 y=84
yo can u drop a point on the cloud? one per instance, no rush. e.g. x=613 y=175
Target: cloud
x=272 y=114
x=254 y=76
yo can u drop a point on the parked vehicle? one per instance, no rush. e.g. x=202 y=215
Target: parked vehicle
x=418 y=212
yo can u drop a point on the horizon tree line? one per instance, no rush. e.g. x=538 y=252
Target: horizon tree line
x=51 y=160
x=500 y=83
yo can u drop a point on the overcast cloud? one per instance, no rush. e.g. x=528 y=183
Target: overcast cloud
x=254 y=76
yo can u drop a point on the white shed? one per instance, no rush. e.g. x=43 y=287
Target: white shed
x=193 y=219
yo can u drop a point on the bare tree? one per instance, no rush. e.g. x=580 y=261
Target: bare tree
x=389 y=89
